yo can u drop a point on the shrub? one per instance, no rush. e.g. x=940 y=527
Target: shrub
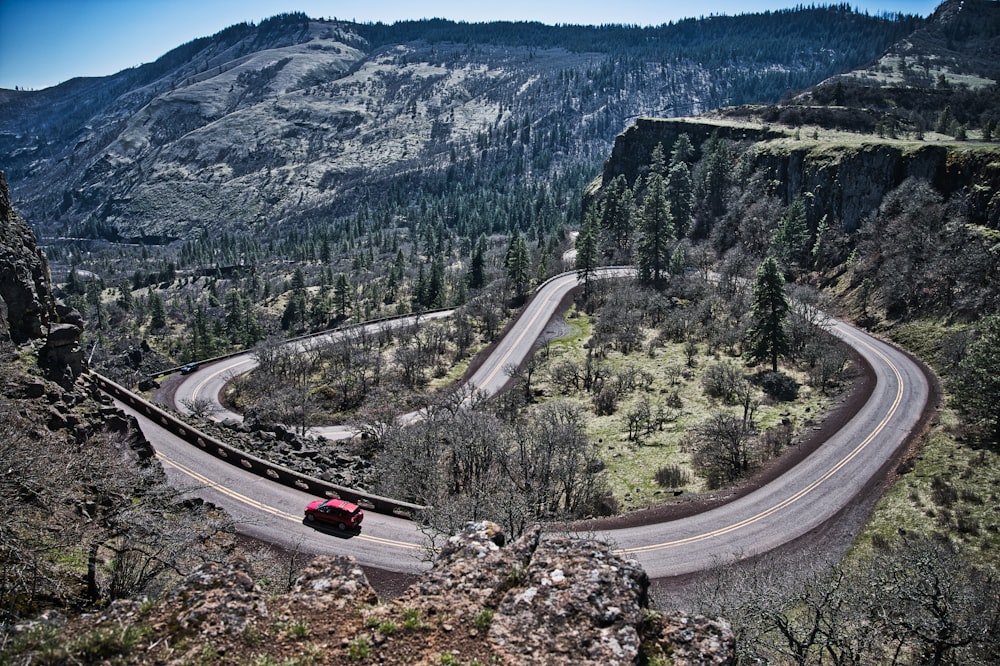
x=672 y=476
x=942 y=492
x=483 y=619
x=299 y=629
x=779 y=386
x=723 y=381
x=606 y=402
x=777 y=439
x=359 y=649
x=411 y=619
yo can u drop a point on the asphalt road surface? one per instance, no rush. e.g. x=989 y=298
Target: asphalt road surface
x=805 y=497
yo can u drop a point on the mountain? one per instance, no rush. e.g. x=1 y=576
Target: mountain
x=299 y=121
x=943 y=77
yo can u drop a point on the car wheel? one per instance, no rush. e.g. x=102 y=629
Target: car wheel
x=342 y=527
x=310 y=518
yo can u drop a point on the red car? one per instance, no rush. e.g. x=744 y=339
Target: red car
x=341 y=513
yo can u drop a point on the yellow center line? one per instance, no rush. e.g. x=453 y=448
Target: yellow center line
x=503 y=361
x=249 y=501
x=808 y=489
x=201 y=384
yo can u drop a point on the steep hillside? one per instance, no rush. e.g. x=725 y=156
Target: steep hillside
x=297 y=120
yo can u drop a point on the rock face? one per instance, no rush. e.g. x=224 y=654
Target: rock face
x=28 y=310
x=25 y=295
x=634 y=146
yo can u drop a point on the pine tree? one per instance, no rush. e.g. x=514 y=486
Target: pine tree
x=294 y=316
x=616 y=221
x=791 y=242
x=680 y=191
x=517 y=262
x=253 y=332
x=656 y=232
x=158 y=316
x=683 y=151
x=125 y=296
x=341 y=295
x=658 y=161
x=766 y=338
x=477 y=266
x=711 y=186
x=435 y=285
x=420 y=291
x=586 y=249
x=234 y=322
x=945 y=121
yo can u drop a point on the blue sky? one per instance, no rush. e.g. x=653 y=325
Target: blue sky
x=45 y=42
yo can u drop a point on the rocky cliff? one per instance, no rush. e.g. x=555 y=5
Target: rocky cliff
x=549 y=601
x=847 y=182
x=26 y=305
x=28 y=310
x=845 y=178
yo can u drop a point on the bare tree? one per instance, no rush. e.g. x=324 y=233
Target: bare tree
x=199 y=407
x=915 y=602
x=725 y=448
x=724 y=381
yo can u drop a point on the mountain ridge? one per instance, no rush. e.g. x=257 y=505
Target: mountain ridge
x=205 y=135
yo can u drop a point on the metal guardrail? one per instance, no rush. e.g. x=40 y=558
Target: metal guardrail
x=258 y=466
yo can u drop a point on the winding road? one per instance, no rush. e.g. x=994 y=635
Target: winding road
x=805 y=497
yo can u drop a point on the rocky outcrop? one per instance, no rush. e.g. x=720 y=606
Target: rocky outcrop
x=539 y=600
x=557 y=600
x=26 y=304
x=28 y=310
x=633 y=147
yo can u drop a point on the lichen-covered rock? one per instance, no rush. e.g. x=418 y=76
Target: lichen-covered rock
x=577 y=602
x=556 y=600
x=219 y=599
x=333 y=582
x=691 y=640
x=472 y=571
